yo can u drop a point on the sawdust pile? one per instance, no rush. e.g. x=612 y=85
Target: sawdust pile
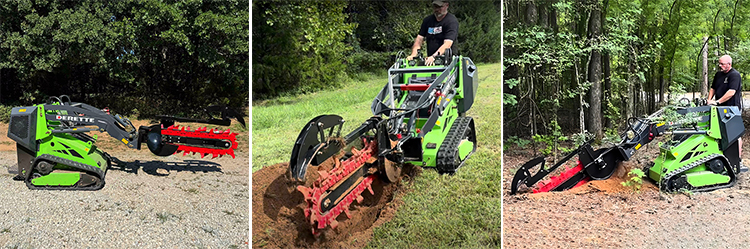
x=279 y=220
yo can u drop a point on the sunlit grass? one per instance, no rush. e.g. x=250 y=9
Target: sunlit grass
x=462 y=210
x=277 y=122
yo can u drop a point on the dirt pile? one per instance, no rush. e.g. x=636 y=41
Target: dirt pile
x=279 y=220
x=615 y=183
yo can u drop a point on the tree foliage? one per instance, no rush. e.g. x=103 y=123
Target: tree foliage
x=654 y=49
x=309 y=45
x=145 y=57
x=297 y=45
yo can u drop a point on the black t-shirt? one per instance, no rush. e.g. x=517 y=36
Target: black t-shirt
x=435 y=32
x=723 y=82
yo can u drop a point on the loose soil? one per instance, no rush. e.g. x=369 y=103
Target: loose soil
x=606 y=214
x=279 y=220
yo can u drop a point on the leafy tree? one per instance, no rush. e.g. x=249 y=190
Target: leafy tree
x=654 y=49
x=298 y=45
x=480 y=32
x=136 y=56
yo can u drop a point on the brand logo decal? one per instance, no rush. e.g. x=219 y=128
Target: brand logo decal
x=74 y=119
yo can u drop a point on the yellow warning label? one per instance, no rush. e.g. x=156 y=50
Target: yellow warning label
x=22 y=110
x=725 y=110
x=638 y=146
x=125 y=141
x=438 y=102
x=659 y=124
x=437 y=122
x=675 y=154
x=87 y=149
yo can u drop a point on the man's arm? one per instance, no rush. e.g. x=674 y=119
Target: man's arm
x=726 y=96
x=710 y=94
x=418 y=40
x=451 y=34
x=441 y=49
x=430 y=61
x=416 y=46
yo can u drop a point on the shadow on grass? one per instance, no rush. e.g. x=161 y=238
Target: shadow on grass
x=151 y=167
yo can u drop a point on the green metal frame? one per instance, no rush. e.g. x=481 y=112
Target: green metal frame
x=694 y=148
x=65 y=146
x=444 y=122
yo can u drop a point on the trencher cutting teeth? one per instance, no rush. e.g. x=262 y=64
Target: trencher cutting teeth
x=316 y=195
x=203 y=133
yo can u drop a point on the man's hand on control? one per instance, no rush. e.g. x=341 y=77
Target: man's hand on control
x=410 y=57
x=430 y=61
x=712 y=102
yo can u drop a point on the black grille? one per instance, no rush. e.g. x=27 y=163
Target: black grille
x=19 y=126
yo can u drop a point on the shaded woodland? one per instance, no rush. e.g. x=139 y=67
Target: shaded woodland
x=575 y=65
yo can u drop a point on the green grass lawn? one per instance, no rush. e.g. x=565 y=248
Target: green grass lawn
x=277 y=122
x=443 y=211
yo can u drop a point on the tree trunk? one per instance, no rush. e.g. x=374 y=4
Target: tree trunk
x=553 y=20
x=606 y=66
x=531 y=13
x=650 y=89
x=543 y=16
x=661 y=85
x=594 y=76
x=582 y=105
x=718 y=49
x=704 y=84
x=641 y=105
x=607 y=85
x=532 y=114
x=731 y=36
x=632 y=81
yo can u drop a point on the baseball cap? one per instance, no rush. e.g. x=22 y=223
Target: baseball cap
x=440 y=3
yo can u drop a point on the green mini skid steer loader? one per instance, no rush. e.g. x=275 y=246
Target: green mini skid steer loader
x=702 y=154
x=54 y=151
x=419 y=118
x=703 y=158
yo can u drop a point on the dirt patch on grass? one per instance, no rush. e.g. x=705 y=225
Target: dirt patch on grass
x=279 y=220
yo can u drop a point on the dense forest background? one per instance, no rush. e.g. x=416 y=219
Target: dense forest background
x=137 y=57
x=572 y=65
x=303 y=46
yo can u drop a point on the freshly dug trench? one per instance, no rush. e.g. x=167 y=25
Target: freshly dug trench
x=279 y=221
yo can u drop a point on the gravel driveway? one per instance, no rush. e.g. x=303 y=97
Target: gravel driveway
x=147 y=202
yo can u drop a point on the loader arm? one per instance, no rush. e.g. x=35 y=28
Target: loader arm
x=79 y=117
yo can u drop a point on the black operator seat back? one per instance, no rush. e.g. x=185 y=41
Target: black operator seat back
x=413 y=96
